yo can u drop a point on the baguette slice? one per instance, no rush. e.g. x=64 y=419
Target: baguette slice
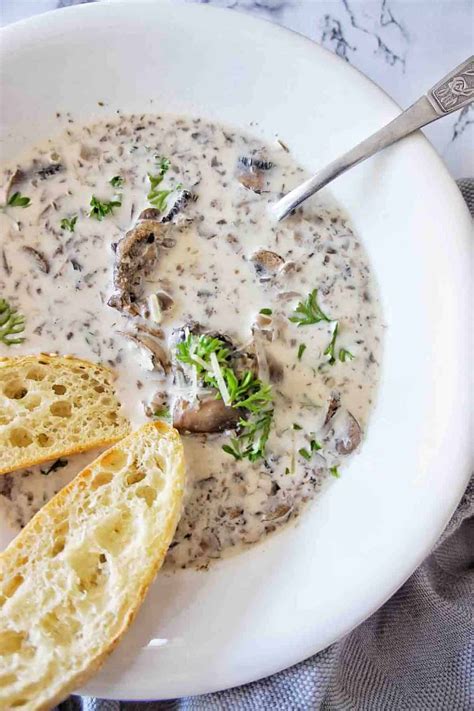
x=53 y=406
x=74 y=578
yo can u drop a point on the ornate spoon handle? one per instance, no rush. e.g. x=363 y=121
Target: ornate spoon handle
x=452 y=93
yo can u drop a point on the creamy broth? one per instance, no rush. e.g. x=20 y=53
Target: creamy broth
x=63 y=280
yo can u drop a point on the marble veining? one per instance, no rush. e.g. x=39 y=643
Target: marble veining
x=405 y=46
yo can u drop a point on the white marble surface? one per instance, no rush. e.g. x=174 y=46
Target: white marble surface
x=403 y=45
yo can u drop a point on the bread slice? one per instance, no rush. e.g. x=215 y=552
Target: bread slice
x=53 y=406
x=74 y=578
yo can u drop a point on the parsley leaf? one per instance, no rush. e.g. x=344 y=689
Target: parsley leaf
x=266 y=312
x=117 y=181
x=11 y=324
x=315 y=446
x=155 y=197
x=18 y=200
x=335 y=472
x=344 y=354
x=301 y=350
x=102 y=209
x=330 y=350
x=296 y=426
x=162 y=413
x=309 y=312
x=69 y=224
x=304 y=453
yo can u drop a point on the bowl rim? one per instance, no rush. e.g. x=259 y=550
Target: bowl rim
x=40 y=20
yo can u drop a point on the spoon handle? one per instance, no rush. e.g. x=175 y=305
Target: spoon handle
x=453 y=92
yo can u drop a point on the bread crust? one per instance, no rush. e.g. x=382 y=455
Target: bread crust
x=67 y=500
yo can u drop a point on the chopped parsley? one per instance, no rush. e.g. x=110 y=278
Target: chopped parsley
x=330 y=349
x=309 y=312
x=211 y=358
x=11 y=324
x=58 y=464
x=315 y=446
x=69 y=224
x=344 y=354
x=157 y=197
x=18 y=200
x=117 y=181
x=266 y=312
x=162 y=413
x=296 y=426
x=102 y=209
x=335 y=472
x=301 y=350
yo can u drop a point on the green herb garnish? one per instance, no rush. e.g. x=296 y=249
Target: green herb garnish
x=58 y=464
x=296 y=426
x=335 y=472
x=158 y=197
x=330 y=350
x=11 y=324
x=102 y=209
x=211 y=356
x=304 y=453
x=162 y=413
x=117 y=181
x=315 y=446
x=344 y=355
x=266 y=312
x=309 y=312
x=301 y=350
x=18 y=200
x=69 y=224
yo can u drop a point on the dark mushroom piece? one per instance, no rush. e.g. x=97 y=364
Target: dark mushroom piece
x=15 y=177
x=251 y=173
x=333 y=407
x=349 y=439
x=40 y=259
x=48 y=170
x=204 y=416
x=267 y=264
x=135 y=257
x=157 y=354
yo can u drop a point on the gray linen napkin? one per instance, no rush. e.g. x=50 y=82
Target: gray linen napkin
x=414 y=654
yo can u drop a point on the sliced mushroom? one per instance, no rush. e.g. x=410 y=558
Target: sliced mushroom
x=251 y=173
x=15 y=177
x=182 y=199
x=267 y=264
x=204 y=416
x=279 y=512
x=49 y=170
x=135 y=257
x=348 y=435
x=276 y=372
x=333 y=407
x=156 y=353
x=39 y=258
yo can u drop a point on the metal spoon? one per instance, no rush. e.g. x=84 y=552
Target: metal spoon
x=450 y=94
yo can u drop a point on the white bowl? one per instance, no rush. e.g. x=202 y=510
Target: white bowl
x=281 y=601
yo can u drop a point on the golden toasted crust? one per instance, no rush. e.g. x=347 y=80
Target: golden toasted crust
x=55 y=406
x=74 y=578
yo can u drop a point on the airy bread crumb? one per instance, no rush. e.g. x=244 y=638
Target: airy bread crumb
x=53 y=406
x=74 y=578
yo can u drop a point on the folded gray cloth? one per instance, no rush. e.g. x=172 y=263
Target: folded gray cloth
x=414 y=654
